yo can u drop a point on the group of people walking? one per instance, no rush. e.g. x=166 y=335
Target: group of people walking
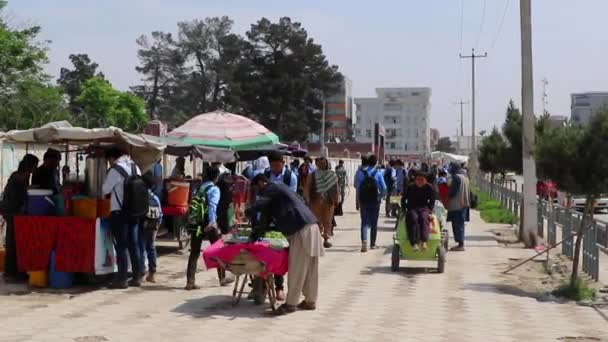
x=419 y=187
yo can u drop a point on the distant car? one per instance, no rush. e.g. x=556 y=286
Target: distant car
x=578 y=203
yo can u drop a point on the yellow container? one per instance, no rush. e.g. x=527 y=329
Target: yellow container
x=39 y=278
x=2 y=259
x=85 y=207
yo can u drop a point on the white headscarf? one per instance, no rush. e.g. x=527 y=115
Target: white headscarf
x=260 y=165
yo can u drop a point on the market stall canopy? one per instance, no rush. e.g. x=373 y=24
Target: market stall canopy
x=255 y=153
x=145 y=152
x=181 y=149
x=450 y=157
x=224 y=130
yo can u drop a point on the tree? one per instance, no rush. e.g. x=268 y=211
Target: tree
x=444 y=144
x=572 y=157
x=162 y=66
x=26 y=98
x=284 y=78
x=102 y=105
x=492 y=153
x=33 y=104
x=512 y=130
x=72 y=80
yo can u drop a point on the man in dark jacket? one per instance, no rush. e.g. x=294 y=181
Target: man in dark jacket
x=279 y=205
x=47 y=175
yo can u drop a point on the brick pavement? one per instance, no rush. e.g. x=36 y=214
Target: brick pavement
x=360 y=300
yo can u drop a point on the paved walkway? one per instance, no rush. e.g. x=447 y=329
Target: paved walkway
x=361 y=300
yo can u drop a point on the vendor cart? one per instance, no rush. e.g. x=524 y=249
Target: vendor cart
x=247 y=268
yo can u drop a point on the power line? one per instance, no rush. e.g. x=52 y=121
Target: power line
x=461 y=23
x=502 y=21
x=483 y=18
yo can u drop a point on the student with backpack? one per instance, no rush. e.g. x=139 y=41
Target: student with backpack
x=202 y=221
x=390 y=179
x=129 y=204
x=148 y=229
x=371 y=188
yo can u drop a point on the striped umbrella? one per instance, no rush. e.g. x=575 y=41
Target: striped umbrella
x=225 y=130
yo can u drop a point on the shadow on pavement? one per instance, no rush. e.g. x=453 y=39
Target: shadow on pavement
x=479 y=238
x=503 y=289
x=221 y=305
x=408 y=272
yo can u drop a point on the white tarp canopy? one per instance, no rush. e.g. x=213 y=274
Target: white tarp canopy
x=449 y=157
x=145 y=152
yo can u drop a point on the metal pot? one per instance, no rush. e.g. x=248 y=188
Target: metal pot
x=96 y=169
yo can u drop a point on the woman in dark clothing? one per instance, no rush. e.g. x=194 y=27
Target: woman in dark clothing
x=14 y=202
x=419 y=204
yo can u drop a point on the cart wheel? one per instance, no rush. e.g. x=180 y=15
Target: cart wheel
x=441 y=260
x=259 y=290
x=446 y=239
x=272 y=295
x=395 y=258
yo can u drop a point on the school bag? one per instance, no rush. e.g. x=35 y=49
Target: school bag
x=368 y=191
x=198 y=212
x=152 y=219
x=135 y=201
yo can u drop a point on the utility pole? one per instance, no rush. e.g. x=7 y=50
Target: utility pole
x=528 y=230
x=461 y=103
x=472 y=57
x=323 y=151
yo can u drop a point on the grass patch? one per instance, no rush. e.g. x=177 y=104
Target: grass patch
x=579 y=292
x=492 y=211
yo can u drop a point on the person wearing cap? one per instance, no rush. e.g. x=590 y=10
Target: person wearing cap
x=47 y=175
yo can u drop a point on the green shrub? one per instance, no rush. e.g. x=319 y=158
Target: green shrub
x=579 y=292
x=492 y=211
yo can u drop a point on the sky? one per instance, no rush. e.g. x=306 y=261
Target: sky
x=381 y=43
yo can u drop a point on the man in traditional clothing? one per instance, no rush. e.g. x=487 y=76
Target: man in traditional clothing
x=279 y=204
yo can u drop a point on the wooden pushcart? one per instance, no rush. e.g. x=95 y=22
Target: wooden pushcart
x=247 y=268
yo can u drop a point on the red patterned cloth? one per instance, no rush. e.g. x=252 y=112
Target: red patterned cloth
x=277 y=261
x=175 y=211
x=36 y=237
x=75 y=250
x=72 y=238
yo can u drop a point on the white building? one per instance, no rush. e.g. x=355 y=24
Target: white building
x=405 y=115
x=584 y=105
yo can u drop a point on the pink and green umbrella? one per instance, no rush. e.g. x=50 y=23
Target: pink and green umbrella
x=224 y=130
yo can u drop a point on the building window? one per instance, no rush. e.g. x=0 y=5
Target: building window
x=415 y=93
x=392 y=107
x=368 y=133
x=416 y=147
x=358 y=131
x=405 y=146
x=392 y=145
x=358 y=106
x=358 y=118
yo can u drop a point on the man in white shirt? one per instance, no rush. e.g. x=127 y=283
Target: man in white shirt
x=124 y=230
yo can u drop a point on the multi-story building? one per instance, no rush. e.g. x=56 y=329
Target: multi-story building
x=404 y=113
x=584 y=105
x=339 y=113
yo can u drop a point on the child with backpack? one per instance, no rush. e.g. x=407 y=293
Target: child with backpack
x=371 y=188
x=148 y=228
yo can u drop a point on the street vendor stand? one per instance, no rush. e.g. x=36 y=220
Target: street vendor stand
x=177 y=213
x=75 y=244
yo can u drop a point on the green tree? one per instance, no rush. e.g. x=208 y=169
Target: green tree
x=72 y=80
x=492 y=154
x=572 y=157
x=26 y=98
x=162 y=66
x=512 y=130
x=285 y=78
x=102 y=106
x=444 y=144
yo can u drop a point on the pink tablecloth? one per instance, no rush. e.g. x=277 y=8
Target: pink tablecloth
x=276 y=261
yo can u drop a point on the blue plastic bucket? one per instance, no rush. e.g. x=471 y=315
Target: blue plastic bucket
x=59 y=280
x=40 y=203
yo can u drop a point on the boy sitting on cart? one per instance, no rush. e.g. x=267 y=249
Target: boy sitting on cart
x=419 y=201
